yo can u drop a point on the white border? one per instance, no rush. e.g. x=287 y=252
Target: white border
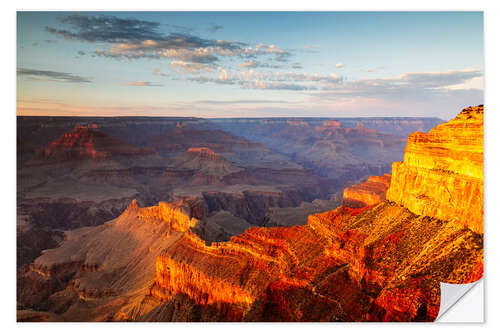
x=8 y=136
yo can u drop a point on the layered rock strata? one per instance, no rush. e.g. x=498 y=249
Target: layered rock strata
x=204 y=160
x=363 y=264
x=368 y=193
x=86 y=142
x=442 y=172
x=104 y=266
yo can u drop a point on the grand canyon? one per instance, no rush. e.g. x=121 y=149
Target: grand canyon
x=192 y=219
x=248 y=166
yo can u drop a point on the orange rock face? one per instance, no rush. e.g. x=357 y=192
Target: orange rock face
x=176 y=215
x=235 y=274
x=347 y=264
x=368 y=193
x=331 y=123
x=442 y=172
x=202 y=151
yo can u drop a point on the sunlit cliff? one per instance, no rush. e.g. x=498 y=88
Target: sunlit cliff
x=442 y=172
x=368 y=193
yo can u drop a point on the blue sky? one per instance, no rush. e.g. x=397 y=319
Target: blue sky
x=244 y=64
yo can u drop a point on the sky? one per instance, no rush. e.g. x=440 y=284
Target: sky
x=249 y=64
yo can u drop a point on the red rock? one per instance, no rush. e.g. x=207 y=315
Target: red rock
x=332 y=123
x=368 y=193
x=86 y=142
x=442 y=172
x=206 y=161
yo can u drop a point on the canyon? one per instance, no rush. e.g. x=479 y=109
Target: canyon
x=77 y=171
x=342 y=149
x=242 y=232
x=86 y=177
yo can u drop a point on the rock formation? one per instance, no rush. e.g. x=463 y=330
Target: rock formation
x=345 y=149
x=220 y=226
x=442 y=172
x=257 y=128
x=332 y=123
x=348 y=265
x=368 y=193
x=85 y=142
x=101 y=265
x=184 y=137
x=291 y=216
x=204 y=160
x=86 y=177
x=335 y=151
x=46 y=219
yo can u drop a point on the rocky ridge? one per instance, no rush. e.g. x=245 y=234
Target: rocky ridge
x=368 y=193
x=442 y=172
x=104 y=265
x=204 y=160
x=86 y=142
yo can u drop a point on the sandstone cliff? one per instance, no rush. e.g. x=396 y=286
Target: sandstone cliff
x=383 y=263
x=442 y=172
x=368 y=193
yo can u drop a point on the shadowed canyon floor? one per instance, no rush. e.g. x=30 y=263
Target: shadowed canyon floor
x=200 y=257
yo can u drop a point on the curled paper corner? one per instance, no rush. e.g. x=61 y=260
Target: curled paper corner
x=452 y=293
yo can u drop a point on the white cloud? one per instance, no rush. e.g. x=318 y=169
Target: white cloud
x=189 y=67
x=443 y=92
x=142 y=84
x=474 y=83
x=252 y=79
x=248 y=64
